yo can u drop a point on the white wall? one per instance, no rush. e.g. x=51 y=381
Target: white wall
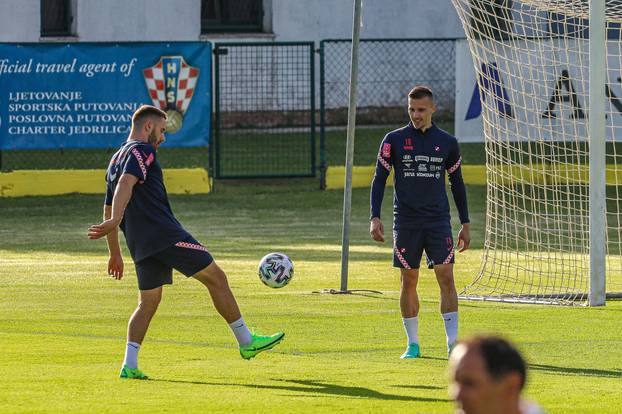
x=284 y=20
x=290 y=20
x=324 y=19
x=138 y=20
x=19 y=20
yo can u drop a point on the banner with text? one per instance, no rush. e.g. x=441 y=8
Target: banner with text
x=532 y=90
x=82 y=95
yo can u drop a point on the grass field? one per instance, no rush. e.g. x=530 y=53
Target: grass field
x=244 y=153
x=254 y=153
x=62 y=321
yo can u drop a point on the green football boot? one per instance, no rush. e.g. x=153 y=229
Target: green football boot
x=260 y=343
x=132 y=373
x=411 y=352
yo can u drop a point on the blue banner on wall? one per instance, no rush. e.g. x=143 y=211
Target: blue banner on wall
x=82 y=95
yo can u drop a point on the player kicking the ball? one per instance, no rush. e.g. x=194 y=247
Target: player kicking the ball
x=136 y=201
x=421 y=153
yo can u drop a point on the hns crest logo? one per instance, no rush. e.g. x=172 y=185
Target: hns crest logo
x=171 y=83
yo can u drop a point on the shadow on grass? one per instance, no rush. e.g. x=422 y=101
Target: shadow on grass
x=317 y=387
x=420 y=387
x=589 y=372
x=434 y=358
x=375 y=294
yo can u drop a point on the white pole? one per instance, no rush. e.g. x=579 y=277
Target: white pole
x=598 y=221
x=347 y=192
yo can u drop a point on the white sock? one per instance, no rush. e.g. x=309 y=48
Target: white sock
x=451 y=326
x=411 y=325
x=131 y=354
x=241 y=332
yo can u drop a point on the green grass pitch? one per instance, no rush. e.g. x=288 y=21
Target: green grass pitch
x=63 y=321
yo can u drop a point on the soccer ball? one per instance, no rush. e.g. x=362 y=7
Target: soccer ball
x=173 y=121
x=275 y=270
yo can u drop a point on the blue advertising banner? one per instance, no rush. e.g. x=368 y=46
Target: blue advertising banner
x=82 y=95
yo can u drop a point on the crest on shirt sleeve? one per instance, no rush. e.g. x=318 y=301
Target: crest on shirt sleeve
x=171 y=83
x=386 y=150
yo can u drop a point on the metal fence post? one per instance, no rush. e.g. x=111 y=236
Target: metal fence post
x=322 y=120
x=216 y=127
x=312 y=105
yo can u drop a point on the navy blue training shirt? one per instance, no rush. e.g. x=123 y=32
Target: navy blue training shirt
x=420 y=160
x=148 y=224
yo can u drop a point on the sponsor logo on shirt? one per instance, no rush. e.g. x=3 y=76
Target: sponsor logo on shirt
x=421 y=174
x=436 y=159
x=423 y=158
x=408 y=144
x=426 y=175
x=407 y=161
x=113 y=174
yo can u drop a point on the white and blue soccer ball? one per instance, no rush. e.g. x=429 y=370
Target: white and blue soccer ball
x=275 y=270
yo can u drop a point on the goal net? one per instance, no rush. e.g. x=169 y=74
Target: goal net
x=531 y=60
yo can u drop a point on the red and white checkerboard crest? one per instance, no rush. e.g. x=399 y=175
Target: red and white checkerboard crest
x=171 y=83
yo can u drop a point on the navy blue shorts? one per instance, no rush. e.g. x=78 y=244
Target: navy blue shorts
x=187 y=256
x=433 y=238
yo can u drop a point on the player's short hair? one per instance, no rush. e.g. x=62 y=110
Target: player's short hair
x=420 y=92
x=500 y=356
x=145 y=112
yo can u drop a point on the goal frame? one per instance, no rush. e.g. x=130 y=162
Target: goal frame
x=489 y=24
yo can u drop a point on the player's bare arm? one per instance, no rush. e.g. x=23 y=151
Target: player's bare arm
x=115 y=261
x=376 y=229
x=122 y=196
x=464 y=237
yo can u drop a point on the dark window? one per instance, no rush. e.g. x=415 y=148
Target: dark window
x=574 y=27
x=492 y=19
x=231 y=16
x=614 y=31
x=56 y=18
x=561 y=25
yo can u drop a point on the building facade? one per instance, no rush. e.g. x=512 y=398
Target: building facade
x=221 y=20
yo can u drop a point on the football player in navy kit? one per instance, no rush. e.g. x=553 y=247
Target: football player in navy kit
x=137 y=202
x=421 y=154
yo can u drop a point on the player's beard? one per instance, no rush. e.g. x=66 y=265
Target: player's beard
x=153 y=139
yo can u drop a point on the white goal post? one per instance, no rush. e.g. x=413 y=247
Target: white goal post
x=553 y=142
